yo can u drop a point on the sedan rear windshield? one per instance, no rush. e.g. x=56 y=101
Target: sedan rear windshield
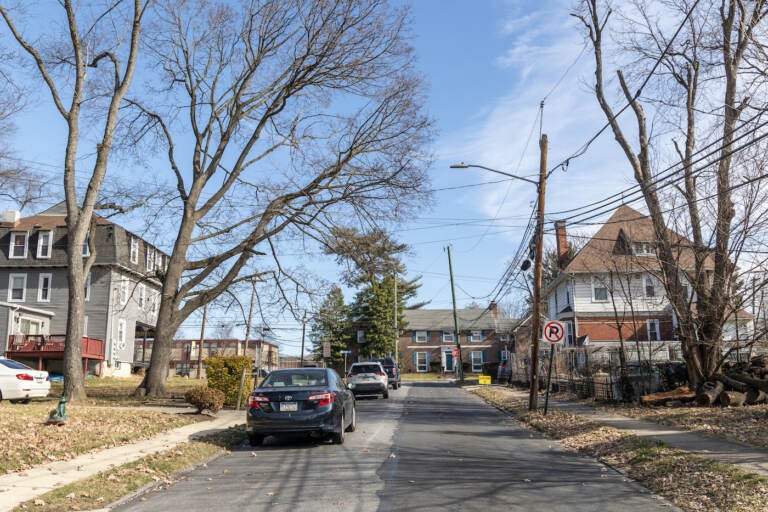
x=14 y=364
x=366 y=368
x=295 y=379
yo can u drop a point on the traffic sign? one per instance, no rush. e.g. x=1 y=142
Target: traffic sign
x=346 y=351
x=326 y=349
x=554 y=331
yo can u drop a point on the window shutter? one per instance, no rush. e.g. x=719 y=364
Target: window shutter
x=500 y=356
x=427 y=336
x=483 y=356
x=442 y=336
x=414 y=336
x=482 y=335
x=415 y=358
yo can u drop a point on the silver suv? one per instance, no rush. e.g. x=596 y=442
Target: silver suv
x=368 y=379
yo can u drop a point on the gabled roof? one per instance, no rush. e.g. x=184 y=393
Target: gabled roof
x=442 y=320
x=610 y=249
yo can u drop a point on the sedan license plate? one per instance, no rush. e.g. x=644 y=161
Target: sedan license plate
x=288 y=406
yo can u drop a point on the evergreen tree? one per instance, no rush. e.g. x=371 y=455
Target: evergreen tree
x=332 y=323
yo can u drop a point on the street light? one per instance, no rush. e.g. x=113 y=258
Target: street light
x=533 y=399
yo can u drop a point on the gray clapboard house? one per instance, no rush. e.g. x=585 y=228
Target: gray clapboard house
x=122 y=293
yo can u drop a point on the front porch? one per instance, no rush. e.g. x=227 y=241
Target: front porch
x=41 y=347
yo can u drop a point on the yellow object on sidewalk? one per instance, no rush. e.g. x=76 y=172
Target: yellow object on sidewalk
x=484 y=379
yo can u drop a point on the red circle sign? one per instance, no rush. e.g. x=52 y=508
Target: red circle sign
x=554 y=331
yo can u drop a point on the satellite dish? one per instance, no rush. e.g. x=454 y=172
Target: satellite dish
x=526 y=265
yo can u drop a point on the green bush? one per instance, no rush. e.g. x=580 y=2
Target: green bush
x=204 y=397
x=224 y=373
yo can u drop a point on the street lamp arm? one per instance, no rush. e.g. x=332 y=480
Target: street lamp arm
x=462 y=165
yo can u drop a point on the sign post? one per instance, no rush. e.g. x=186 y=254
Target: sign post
x=345 y=352
x=554 y=333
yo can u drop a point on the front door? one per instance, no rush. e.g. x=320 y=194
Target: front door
x=448 y=361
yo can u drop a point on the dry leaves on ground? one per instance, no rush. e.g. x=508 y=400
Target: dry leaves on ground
x=26 y=441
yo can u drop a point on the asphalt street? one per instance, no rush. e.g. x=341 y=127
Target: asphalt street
x=430 y=446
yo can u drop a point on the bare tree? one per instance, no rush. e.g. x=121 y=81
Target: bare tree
x=296 y=117
x=87 y=69
x=698 y=76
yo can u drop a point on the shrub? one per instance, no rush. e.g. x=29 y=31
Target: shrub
x=204 y=397
x=224 y=373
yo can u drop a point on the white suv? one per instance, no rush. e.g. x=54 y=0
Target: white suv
x=368 y=379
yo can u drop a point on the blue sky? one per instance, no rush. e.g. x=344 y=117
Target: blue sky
x=489 y=64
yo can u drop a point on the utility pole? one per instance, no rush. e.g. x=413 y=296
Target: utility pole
x=533 y=400
x=202 y=338
x=303 y=332
x=455 y=318
x=250 y=318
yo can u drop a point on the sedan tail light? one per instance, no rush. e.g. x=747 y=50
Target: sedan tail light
x=321 y=399
x=257 y=400
x=24 y=376
x=351 y=374
x=381 y=374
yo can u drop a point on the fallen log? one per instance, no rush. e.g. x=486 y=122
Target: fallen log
x=682 y=393
x=732 y=398
x=709 y=392
x=746 y=378
x=755 y=396
x=730 y=383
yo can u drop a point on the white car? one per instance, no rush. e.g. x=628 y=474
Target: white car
x=19 y=382
x=368 y=379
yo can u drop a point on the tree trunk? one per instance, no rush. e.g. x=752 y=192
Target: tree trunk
x=74 y=383
x=732 y=398
x=709 y=392
x=755 y=396
x=732 y=383
x=681 y=393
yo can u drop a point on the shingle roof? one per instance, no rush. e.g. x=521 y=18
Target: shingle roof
x=611 y=247
x=442 y=319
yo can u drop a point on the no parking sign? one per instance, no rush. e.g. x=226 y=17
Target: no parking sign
x=554 y=331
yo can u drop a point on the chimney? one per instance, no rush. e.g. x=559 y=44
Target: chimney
x=562 y=244
x=11 y=216
x=494 y=309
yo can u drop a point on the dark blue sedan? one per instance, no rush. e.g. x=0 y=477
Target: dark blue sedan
x=312 y=401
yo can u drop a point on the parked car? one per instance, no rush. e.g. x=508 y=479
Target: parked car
x=392 y=371
x=19 y=383
x=368 y=379
x=306 y=401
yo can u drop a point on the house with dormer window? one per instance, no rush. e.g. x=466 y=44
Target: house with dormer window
x=122 y=293
x=612 y=288
x=427 y=343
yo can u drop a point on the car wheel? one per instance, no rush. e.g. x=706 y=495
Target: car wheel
x=338 y=437
x=255 y=439
x=385 y=394
x=353 y=424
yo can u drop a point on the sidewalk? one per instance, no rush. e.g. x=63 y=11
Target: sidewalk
x=743 y=456
x=16 y=488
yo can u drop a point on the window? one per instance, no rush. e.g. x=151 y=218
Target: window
x=361 y=337
x=18 y=245
x=599 y=290
x=142 y=296
x=504 y=355
x=150 y=259
x=449 y=337
x=650 y=288
x=17 y=287
x=159 y=260
x=44 y=244
x=653 y=330
x=123 y=291
x=155 y=302
x=642 y=249
x=87 y=290
x=569 y=340
x=44 y=288
x=29 y=326
x=134 y=250
x=87 y=246
x=421 y=361
x=85 y=326
x=475 y=336
x=476 y=358
x=420 y=336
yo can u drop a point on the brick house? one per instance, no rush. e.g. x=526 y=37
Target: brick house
x=185 y=355
x=428 y=341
